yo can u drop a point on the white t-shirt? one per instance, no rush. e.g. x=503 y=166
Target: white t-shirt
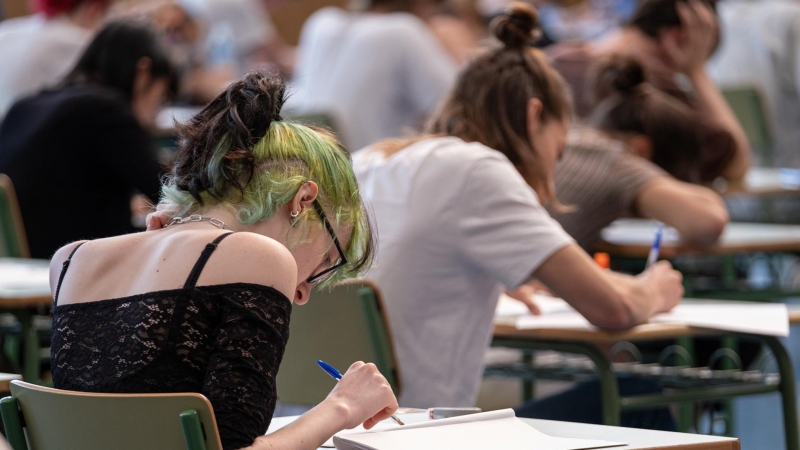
x=378 y=75
x=36 y=53
x=760 y=47
x=456 y=223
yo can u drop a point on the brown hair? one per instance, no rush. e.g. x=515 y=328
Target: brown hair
x=489 y=103
x=652 y=16
x=627 y=103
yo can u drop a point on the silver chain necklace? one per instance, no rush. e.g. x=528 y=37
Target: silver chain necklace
x=197 y=218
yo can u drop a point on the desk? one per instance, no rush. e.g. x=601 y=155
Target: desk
x=6 y=379
x=763 y=182
x=632 y=238
x=588 y=343
x=635 y=438
x=24 y=288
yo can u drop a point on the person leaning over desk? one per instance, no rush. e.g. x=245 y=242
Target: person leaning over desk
x=460 y=217
x=86 y=142
x=640 y=159
x=203 y=305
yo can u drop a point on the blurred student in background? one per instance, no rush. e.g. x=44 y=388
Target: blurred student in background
x=639 y=163
x=84 y=146
x=379 y=72
x=460 y=218
x=672 y=39
x=39 y=50
x=760 y=48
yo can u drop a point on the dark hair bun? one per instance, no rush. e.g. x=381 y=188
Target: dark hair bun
x=237 y=118
x=518 y=26
x=618 y=75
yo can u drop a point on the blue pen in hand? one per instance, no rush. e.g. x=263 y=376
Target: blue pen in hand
x=656 y=248
x=336 y=375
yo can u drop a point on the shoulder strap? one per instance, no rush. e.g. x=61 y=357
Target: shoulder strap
x=191 y=281
x=64 y=268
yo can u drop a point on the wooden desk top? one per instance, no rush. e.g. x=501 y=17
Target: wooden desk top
x=24 y=283
x=763 y=182
x=633 y=238
x=636 y=438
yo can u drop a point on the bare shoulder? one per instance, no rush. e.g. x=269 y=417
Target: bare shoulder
x=252 y=258
x=57 y=262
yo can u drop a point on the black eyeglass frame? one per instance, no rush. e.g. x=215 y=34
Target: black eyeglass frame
x=342 y=258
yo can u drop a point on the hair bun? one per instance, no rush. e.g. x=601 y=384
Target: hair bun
x=255 y=102
x=621 y=74
x=518 y=26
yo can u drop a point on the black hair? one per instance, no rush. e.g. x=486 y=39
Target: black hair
x=112 y=57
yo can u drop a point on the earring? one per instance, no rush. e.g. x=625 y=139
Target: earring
x=294 y=214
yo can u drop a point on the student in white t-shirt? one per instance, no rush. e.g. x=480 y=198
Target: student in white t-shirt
x=460 y=218
x=379 y=72
x=38 y=51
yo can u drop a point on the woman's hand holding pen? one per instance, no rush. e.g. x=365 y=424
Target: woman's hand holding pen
x=364 y=396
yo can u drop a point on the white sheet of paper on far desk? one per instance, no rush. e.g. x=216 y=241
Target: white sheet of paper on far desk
x=16 y=276
x=767 y=319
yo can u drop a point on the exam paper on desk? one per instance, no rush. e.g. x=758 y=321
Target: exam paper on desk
x=460 y=429
x=766 y=319
x=495 y=429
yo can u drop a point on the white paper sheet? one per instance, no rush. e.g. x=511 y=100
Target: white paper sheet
x=280 y=422
x=496 y=429
x=768 y=319
x=25 y=277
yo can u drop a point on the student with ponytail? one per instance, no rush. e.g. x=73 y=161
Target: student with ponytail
x=640 y=161
x=461 y=218
x=267 y=208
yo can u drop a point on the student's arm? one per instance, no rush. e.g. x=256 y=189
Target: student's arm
x=698 y=213
x=356 y=399
x=607 y=299
x=690 y=55
x=504 y=231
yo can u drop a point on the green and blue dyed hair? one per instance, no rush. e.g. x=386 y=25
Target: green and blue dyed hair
x=238 y=151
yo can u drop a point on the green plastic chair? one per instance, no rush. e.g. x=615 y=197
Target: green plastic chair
x=340 y=327
x=54 y=419
x=747 y=104
x=13 y=242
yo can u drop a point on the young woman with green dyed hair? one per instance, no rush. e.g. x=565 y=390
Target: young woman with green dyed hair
x=266 y=209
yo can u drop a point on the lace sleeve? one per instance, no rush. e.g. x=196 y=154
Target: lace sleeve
x=244 y=361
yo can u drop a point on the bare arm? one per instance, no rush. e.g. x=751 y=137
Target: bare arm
x=698 y=213
x=362 y=396
x=689 y=54
x=607 y=299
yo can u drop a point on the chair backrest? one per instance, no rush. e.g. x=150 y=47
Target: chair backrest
x=65 y=420
x=13 y=242
x=340 y=326
x=748 y=105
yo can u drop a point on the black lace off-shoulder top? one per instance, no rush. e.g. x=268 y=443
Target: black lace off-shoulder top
x=223 y=341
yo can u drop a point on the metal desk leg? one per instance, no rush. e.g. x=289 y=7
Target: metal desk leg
x=787 y=390
x=31 y=364
x=612 y=405
x=608 y=384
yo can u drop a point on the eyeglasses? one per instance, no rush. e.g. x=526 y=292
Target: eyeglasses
x=313 y=279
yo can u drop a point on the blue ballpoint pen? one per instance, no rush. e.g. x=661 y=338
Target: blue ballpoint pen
x=336 y=375
x=656 y=248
